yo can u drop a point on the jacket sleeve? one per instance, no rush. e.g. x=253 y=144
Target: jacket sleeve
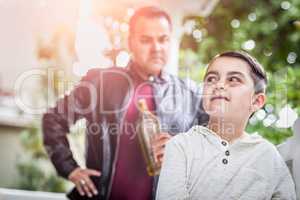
x=57 y=120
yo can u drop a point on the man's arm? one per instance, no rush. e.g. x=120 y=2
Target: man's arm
x=56 y=122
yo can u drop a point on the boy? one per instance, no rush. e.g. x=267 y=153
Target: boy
x=221 y=161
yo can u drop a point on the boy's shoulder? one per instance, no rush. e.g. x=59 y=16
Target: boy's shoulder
x=260 y=140
x=192 y=137
x=188 y=143
x=268 y=152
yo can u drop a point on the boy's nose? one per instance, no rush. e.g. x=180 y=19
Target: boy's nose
x=220 y=85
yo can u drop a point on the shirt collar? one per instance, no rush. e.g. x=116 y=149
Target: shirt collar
x=162 y=78
x=249 y=139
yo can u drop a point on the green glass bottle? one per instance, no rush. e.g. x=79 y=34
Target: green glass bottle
x=148 y=125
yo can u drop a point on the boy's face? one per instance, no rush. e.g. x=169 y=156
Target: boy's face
x=229 y=90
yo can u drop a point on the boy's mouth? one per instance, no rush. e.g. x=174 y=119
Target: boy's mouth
x=219 y=98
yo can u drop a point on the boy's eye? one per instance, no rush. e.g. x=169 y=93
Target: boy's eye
x=210 y=79
x=234 y=79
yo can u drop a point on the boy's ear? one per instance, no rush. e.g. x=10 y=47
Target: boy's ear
x=258 y=102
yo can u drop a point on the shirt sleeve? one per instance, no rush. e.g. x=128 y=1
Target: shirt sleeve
x=172 y=182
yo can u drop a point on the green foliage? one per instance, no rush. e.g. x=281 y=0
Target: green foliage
x=273 y=27
x=35 y=170
x=31 y=176
x=275 y=135
x=35 y=179
x=31 y=141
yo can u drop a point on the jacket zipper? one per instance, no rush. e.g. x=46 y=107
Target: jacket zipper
x=117 y=146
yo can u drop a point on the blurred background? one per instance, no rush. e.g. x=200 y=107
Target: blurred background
x=47 y=45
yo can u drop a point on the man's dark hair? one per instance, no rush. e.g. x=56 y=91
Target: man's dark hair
x=148 y=12
x=257 y=71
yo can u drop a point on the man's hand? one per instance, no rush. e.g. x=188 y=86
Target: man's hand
x=81 y=178
x=158 y=144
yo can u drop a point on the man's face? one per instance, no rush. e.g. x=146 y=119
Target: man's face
x=228 y=89
x=150 y=44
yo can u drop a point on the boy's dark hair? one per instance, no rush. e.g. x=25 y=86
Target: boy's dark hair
x=257 y=71
x=148 y=12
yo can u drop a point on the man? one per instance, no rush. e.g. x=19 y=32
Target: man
x=107 y=99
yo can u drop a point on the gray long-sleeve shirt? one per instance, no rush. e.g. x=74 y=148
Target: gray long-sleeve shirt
x=200 y=165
